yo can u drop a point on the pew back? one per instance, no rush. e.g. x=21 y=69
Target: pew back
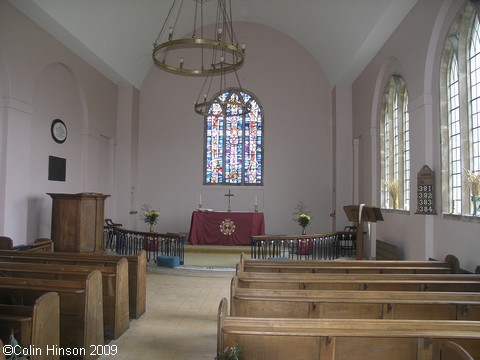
x=81 y=306
x=340 y=339
x=349 y=282
x=114 y=285
x=137 y=270
x=344 y=266
x=324 y=304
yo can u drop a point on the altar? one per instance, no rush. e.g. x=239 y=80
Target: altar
x=225 y=228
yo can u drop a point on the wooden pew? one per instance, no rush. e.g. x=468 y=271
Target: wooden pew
x=81 y=307
x=2 y=355
x=6 y=243
x=39 y=245
x=114 y=285
x=325 y=304
x=380 y=282
x=452 y=351
x=344 y=266
x=385 y=251
x=43 y=329
x=342 y=339
x=137 y=270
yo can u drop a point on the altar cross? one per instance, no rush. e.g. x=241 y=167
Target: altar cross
x=229 y=194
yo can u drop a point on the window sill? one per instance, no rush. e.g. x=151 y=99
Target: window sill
x=396 y=211
x=465 y=218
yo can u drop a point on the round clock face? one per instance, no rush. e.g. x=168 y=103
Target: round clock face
x=59 y=131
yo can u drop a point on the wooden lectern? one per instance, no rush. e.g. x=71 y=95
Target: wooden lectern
x=360 y=214
x=77 y=222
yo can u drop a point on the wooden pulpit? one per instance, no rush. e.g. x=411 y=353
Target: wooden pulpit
x=360 y=214
x=77 y=222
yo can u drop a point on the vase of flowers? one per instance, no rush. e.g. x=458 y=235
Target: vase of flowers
x=473 y=182
x=303 y=220
x=302 y=217
x=150 y=216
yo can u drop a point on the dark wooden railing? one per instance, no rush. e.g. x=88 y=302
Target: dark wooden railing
x=130 y=242
x=309 y=247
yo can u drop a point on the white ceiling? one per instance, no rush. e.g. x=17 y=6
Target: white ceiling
x=116 y=36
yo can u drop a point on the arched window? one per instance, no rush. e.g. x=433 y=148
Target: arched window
x=234 y=140
x=395 y=146
x=460 y=114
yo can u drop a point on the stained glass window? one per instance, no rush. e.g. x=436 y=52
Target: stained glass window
x=234 y=140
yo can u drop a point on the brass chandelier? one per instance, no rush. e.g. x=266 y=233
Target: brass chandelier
x=198 y=54
x=205 y=99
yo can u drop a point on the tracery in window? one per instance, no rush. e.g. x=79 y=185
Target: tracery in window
x=395 y=146
x=460 y=111
x=234 y=140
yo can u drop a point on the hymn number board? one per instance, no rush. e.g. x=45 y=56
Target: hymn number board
x=426 y=191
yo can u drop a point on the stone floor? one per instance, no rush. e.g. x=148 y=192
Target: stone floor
x=181 y=318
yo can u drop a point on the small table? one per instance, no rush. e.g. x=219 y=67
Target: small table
x=225 y=228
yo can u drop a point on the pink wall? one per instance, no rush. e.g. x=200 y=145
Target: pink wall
x=47 y=81
x=296 y=99
x=413 y=51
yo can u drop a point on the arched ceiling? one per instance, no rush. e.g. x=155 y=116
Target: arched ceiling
x=116 y=36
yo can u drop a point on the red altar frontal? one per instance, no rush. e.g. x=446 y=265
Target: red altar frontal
x=225 y=228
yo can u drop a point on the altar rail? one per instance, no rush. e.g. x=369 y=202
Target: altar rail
x=309 y=247
x=130 y=242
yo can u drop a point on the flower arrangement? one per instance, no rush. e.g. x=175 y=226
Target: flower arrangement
x=303 y=220
x=392 y=187
x=302 y=216
x=473 y=181
x=150 y=216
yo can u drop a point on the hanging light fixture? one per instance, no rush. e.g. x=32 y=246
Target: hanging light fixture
x=218 y=85
x=199 y=54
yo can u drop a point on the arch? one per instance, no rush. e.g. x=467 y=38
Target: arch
x=56 y=94
x=80 y=90
x=390 y=66
x=435 y=46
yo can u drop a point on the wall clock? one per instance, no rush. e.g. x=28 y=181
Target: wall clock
x=59 y=131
